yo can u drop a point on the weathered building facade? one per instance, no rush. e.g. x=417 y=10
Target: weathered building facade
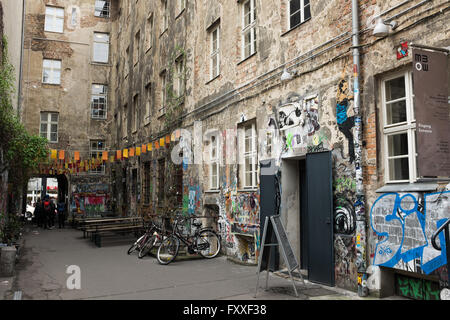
x=203 y=94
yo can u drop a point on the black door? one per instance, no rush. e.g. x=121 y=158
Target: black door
x=320 y=217
x=269 y=206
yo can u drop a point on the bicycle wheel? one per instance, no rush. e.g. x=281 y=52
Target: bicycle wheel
x=208 y=244
x=168 y=250
x=147 y=246
x=135 y=245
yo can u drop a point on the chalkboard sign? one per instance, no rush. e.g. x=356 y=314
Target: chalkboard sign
x=273 y=224
x=291 y=261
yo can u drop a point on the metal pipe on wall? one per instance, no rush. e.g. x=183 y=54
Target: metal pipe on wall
x=360 y=202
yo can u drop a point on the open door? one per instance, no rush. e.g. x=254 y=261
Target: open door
x=319 y=218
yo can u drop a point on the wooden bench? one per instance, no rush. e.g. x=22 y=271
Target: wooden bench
x=98 y=232
x=87 y=225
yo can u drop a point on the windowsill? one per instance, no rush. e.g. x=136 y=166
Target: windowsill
x=248 y=190
x=100 y=119
x=57 y=32
x=245 y=59
x=212 y=191
x=408 y=187
x=104 y=64
x=51 y=84
x=293 y=28
x=211 y=80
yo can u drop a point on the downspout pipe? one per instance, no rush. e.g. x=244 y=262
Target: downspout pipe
x=19 y=91
x=359 y=205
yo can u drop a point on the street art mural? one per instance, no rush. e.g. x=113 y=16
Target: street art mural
x=404 y=225
x=344 y=121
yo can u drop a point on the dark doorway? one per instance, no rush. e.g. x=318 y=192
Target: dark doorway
x=318 y=218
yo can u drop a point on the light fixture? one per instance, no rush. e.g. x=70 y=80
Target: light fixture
x=286 y=75
x=382 y=28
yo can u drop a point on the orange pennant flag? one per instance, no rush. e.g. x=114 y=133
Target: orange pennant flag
x=77 y=155
x=132 y=152
x=105 y=156
x=119 y=154
x=144 y=148
x=61 y=155
x=168 y=139
x=156 y=144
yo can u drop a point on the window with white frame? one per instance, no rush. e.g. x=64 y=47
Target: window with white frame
x=215 y=53
x=299 y=12
x=101 y=47
x=49 y=126
x=149 y=32
x=163 y=82
x=148 y=103
x=179 y=76
x=54 y=19
x=165 y=16
x=96 y=149
x=399 y=128
x=51 y=71
x=248 y=155
x=214 y=163
x=248 y=28
x=102 y=8
x=99 y=100
x=137 y=45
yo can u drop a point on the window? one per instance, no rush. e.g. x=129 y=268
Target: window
x=102 y=8
x=248 y=28
x=161 y=181
x=49 y=126
x=146 y=185
x=101 y=47
x=214 y=56
x=162 y=78
x=399 y=128
x=54 y=19
x=248 y=155
x=137 y=44
x=165 y=16
x=124 y=121
x=134 y=116
x=214 y=163
x=179 y=77
x=99 y=101
x=149 y=32
x=148 y=103
x=51 y=71
x=299 y=12
x=96 y=149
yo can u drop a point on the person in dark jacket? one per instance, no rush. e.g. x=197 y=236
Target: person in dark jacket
x=38 y=213
x=61 y=214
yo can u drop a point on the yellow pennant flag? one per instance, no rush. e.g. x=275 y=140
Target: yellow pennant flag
x=150 y=146
x=172 y=137
x=111 y=159
x=138 y=151
x=54 y=152
x=161 y=142
x=125 y=153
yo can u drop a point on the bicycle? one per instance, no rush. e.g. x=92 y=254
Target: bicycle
x=205 y=241
x=147 y=241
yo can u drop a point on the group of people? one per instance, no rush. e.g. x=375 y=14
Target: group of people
x=46 y=211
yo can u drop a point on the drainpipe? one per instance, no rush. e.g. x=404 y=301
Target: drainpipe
x=19 y=91
x=359 y=204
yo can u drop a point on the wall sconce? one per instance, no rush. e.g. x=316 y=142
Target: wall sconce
x=382 y=28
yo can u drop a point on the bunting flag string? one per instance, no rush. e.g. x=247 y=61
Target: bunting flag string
x=73 y=162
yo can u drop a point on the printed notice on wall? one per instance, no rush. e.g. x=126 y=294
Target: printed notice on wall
x=432 y=113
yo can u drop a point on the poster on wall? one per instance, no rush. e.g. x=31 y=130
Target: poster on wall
x=431 y=109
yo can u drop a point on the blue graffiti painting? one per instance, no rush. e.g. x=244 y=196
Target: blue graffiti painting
x=404 y=228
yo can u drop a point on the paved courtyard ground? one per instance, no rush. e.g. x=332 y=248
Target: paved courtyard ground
x=110 y=273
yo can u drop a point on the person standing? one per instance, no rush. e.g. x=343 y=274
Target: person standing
x=38 y=212
x=61 y=214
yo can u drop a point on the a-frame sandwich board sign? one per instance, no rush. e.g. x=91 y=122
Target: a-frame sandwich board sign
x=273 y=224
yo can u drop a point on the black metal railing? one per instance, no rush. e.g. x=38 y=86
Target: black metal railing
x=445 y=228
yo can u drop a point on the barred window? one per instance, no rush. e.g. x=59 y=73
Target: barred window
x=102 y=8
